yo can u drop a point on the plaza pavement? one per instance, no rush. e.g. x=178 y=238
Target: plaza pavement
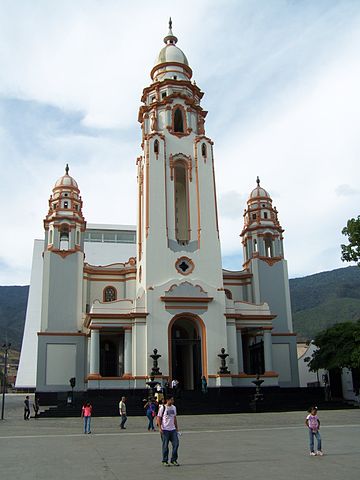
x=262 y=446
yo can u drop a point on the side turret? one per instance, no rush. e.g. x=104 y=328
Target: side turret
x=61 y=341
x=63 y=258
x=262 y=233
x=64 y=224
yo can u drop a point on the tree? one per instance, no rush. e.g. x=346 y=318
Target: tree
x=351 y=252
x=338 y=347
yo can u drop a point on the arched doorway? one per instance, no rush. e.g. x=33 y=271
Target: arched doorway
x=186 y=352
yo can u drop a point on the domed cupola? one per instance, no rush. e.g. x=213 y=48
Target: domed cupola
x=262 y=232
x=66 y=181
x=171 y=63
x=64 y=224
x=260 y=210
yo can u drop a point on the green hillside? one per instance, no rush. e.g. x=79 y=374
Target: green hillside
x=13 y=302
x=321 y=300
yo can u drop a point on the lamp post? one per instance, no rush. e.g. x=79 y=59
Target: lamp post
x=72 y=382
x=6 y=346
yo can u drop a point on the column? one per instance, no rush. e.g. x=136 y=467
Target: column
x=128 y=351
x=232 y=346
x=94 y=352
x=268 y=351
x=240 y=351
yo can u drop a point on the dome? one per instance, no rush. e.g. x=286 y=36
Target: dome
x=171 y=53
x=66 y=180
x=259 y=192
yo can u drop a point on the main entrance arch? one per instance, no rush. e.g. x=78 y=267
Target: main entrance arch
x=187 y=350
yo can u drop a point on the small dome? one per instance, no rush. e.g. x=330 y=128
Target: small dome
x=66 y=180
x=171 y=53
x=259 y=192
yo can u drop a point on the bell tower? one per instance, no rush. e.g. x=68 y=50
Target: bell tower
x=179 y=272
x=262 y=238
x=178 y=231
x=61 y=342
x=63 y=258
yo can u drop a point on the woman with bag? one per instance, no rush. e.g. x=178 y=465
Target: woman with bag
x=150 y=410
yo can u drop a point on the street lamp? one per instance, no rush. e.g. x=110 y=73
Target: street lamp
x=6 y=346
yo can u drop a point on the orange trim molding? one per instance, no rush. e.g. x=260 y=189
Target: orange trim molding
x=187 y=299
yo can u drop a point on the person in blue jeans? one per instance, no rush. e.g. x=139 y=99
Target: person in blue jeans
x=313 y=423
x=150 y=410
x=86 y=414
x=168 y=427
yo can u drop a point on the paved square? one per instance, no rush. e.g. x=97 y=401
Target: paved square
x=268 y=445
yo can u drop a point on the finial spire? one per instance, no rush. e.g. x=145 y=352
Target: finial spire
x=170 y=37
x=67 y=169
x=258 y=181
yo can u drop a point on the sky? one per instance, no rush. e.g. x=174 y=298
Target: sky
x=281 y=81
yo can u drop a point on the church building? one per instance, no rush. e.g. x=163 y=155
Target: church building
x=103 y=297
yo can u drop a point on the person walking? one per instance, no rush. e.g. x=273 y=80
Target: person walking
x=175 y=387
x=168 y=427
x=122 y=412
x=313 y=424
x=159 y=395
x=150 y=410
x=36 y=407
x=204 y=388
x=27 y=408
x=86 y=414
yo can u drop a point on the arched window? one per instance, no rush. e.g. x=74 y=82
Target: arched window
x=203 y=150
x=178 y=121
x=78 y=238
x=255 y=246
x=109 y=294
x=228 y=294
x=64 y=237
x=269 y=246
x=51 y=235
x=182 y=227
x=156 y=147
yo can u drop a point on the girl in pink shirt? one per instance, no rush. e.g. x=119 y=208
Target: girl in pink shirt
x=86 y=414
x=313 y=423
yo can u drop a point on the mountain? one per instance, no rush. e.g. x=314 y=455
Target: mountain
x=318 y=301
x=13 y=302
x=321 y=300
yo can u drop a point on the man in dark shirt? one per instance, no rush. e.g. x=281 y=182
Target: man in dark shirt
x=26 y=408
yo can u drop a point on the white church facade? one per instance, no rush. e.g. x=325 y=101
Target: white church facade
x=103 y=297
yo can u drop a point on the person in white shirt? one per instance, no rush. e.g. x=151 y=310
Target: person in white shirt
x=122 y=412
x=168 y=427
x=174 y=386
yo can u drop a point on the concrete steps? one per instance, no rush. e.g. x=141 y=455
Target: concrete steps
x=216 y=401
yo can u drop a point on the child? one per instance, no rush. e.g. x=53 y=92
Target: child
x=313 y=423
x=86 y=414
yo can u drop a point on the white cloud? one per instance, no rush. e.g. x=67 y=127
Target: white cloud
x=346 y=190
x=281 y=82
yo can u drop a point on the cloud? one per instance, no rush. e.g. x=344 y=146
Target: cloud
x=346 y=190
x=232 y=204
x=281 y=83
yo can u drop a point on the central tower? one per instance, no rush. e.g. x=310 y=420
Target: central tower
x=178 y=234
